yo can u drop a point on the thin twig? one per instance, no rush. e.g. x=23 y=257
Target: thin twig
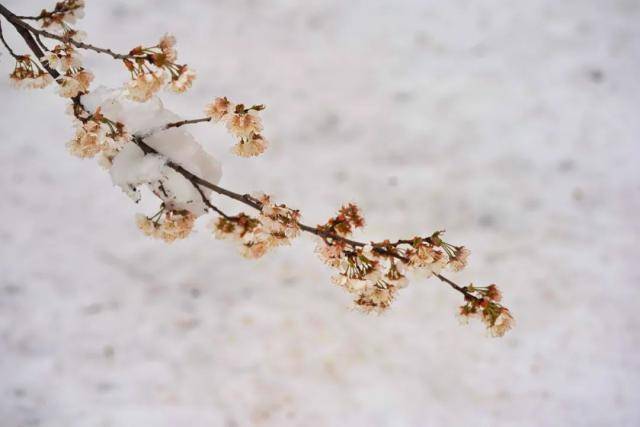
x=173 y=125
x=186 y=122
x=207 y=202
x=78 y=44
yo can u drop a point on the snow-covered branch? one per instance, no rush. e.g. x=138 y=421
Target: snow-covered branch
x=143 y=144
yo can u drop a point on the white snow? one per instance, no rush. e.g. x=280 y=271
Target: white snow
x=132 y=168
x=511 y=124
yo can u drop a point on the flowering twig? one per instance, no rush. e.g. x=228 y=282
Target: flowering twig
x=78 y=44
x=67 y=39
x=196 y=181
x=373 y=272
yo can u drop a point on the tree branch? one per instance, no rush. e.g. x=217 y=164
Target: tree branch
x=25 y=30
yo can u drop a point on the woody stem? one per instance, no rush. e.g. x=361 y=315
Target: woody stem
x=27 y=32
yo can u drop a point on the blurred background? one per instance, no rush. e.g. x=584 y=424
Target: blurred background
x=512 y=125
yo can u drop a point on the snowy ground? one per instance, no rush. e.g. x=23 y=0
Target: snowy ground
x=514 y=125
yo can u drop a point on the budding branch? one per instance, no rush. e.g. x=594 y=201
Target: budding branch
x=31 y=37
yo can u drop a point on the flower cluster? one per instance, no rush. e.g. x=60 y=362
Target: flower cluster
x=245 y=230
x=349 y=218
x=373 y=273
x=279 y=222
x=242 y=122
x=484 y=303
x=426 y=257
x=29 y=74
x=457 y=255
x=368 y=272
x=97 y=134
x=63 y=58
x=63 y=14
x=372 y=277
x=431 y=255
x=88 y=140
x=152 y=67
x=275 y=226
x=74 y=82
x=168 y=225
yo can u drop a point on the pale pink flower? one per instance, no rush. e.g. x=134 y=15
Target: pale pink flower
x=184 y=80
x=278 y=221
x=254 y=249
x=502 y=324
x=146 y=225
x=351 y=285
x=67 y=62
x=427 y=259
x=330 y=254
x=219 y=109
x=167 y=46
x=39 y=82
x=176 y=225
x=493 y=293
x=173 y=226
x=88 y=141
x=145 y=85
x=373 y=276
x=375 y=299
x=254 y=146
x=52 y=59
x=72 y=85
x=243 y=125
x=459 y=260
